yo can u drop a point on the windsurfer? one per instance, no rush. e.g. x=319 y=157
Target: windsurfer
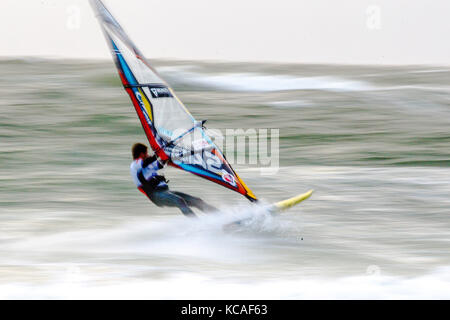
x=144 y=173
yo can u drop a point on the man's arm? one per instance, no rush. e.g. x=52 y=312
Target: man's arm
x=147 y=161
x=154 y=161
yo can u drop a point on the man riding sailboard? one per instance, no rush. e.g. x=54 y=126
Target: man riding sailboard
x=175 y=137
x=144 y=169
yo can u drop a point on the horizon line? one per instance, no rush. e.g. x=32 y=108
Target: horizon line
x=219 y=61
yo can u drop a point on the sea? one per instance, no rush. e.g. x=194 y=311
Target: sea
x=372 y=141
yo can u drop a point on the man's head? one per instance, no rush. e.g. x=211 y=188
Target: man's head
x=138 y=150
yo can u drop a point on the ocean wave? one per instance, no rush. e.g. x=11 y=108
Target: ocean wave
x=255 y=82
x=289 y=104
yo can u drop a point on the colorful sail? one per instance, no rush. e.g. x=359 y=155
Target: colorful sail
x=172 y=131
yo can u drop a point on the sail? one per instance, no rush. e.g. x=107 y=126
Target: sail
x=171 y=130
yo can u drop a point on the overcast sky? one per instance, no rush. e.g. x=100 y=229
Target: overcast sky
x=323 y=31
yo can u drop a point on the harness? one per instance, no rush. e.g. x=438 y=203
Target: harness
x=150 y=185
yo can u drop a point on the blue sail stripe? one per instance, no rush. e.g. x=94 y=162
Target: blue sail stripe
x=126 y=70
x=191 y=168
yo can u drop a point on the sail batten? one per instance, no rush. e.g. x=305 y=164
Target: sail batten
x=172 y=131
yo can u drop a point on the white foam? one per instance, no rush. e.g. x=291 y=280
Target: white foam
x=289 y=104
x=194 y=286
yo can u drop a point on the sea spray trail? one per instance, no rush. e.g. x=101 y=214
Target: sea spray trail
x=164 y=235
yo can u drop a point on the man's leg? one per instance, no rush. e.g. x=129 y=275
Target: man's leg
x=195 y=202
x=170 y=199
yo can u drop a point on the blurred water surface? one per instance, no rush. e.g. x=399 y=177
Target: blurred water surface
x=374 y=142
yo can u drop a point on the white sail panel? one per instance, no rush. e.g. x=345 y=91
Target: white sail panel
x=141 y=72
x=170 y=116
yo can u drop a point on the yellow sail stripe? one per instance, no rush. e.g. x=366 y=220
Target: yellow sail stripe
x=146 y=104
x=249 y=192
